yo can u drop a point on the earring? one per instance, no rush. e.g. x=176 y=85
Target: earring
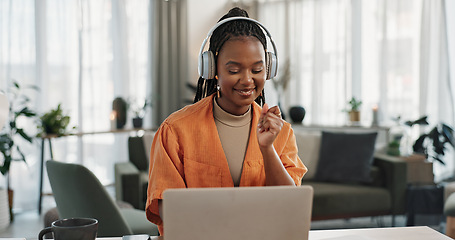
x=218 y=91
x=218 y=94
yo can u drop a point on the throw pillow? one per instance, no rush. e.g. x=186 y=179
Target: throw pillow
x=308 y=144
x=345 y=157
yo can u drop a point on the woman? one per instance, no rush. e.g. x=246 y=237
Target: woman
x=225 y=139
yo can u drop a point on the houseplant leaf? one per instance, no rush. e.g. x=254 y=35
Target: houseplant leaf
x=21 y=153
x=6 y=165
x=447 y=133
x=418 y=145
x=439 y=160
x=54 y=122
x=24 y=135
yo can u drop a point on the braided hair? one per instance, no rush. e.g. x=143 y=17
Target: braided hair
x=222 y=34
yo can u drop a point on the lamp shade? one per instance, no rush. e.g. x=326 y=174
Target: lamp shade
x=4 y=109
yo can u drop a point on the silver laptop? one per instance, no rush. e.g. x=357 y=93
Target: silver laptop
x=253 y=213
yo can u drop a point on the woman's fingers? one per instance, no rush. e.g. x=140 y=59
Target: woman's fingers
x=270 y=119
x=269 y=125
x=275 y=110
x=265 y=109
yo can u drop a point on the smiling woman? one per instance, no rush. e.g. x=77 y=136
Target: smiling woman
x=241 y=74
x=225 y=139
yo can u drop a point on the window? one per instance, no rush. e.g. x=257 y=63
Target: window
x=82 y=54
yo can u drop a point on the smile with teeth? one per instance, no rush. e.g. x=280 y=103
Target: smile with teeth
x=245 y=92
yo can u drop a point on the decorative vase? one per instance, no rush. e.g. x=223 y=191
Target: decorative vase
x=120 y=106
x=137 y=122
x=297 y=114
x=4 y=209
x=10 y=203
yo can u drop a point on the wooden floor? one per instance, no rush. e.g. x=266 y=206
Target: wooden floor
x=28 y=224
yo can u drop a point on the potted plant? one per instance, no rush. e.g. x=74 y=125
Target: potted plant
x=12 y=132
x=354 y=110
x=433 y=144
x=139 y=110
x=54 y=122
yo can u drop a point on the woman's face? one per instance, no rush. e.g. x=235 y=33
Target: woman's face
x=241 y=73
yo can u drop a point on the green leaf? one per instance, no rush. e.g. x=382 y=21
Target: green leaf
x=418 y=145
x=26 y=111
x=34 y=87
x=24 y=135
x=4 y=169
x=5 y=143
x=439 y=160
x=447 y=132
x=22 y=154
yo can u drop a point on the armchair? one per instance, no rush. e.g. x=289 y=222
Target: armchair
x=131 y=178
x=79 y=193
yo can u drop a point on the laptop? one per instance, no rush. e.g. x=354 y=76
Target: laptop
x=253 y=213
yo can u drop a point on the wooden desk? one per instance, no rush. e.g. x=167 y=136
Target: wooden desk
x=398 y=233
x=78 y=134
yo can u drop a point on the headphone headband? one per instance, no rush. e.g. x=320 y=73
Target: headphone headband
x=200 y=61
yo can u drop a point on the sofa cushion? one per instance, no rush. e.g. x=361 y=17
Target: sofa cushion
x=308 y=144
x=345 y=157
x=334 y=200
x=147 y=140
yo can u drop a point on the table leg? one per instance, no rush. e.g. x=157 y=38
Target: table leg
x=50 y=149
x=41 y=177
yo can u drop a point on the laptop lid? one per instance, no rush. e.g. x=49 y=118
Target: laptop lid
x=253 y=213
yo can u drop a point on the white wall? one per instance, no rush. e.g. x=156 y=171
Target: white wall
x=450 y=14
x=202 y=16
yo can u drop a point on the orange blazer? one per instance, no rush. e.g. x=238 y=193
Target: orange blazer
x=186 y=153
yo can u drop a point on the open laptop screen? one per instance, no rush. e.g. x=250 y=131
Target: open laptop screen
x=254 y=213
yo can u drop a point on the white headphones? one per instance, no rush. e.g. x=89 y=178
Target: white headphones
x=206 y=60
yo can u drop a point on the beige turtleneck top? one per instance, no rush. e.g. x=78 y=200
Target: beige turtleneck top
x=234 y=132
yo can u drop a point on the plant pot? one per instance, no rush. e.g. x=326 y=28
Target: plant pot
x=297 y=114
x=354 y=116
x=137 y=122
x=10 y=204
x=4 y=209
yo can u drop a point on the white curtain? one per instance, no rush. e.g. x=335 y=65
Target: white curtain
x=169 y=72
x=437 y=89
x=313 y=37
x=391 y=54
x=82 y=54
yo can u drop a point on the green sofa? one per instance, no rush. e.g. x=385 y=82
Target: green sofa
x=384 y=195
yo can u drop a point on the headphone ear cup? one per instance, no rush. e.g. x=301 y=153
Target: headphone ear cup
x=272 y=65
x=208 y=65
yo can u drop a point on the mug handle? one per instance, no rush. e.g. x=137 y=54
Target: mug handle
x=43 y=232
